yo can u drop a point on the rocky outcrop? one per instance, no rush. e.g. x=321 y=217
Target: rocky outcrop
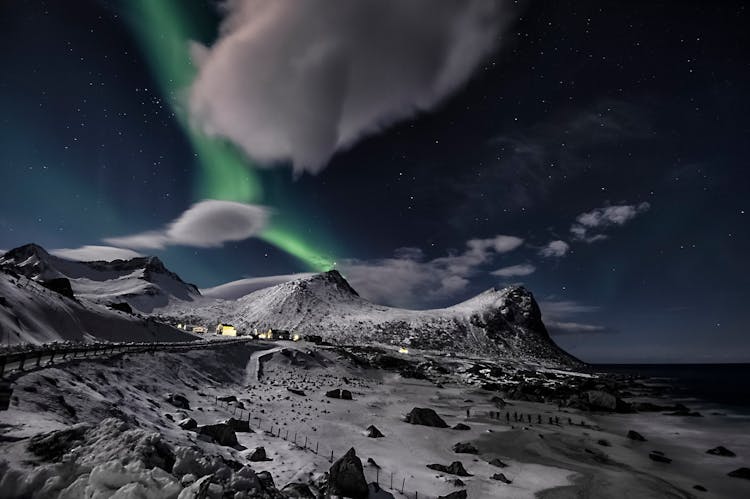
x=178 y=400
x=721 y=451
x=339 y=393
x=221 y=433
x=373 y=432
x=425 y=417
x=634 y=435
x=740 y=473
x=464 y=448
x=258 y=454
x=455 y=468
x=346 y=477
x=187 y=424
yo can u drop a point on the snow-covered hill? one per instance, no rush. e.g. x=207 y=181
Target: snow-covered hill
x=32 y=313
x=143 y=282
x=503 y=323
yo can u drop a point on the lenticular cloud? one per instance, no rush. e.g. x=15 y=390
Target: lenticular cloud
x=298 y=80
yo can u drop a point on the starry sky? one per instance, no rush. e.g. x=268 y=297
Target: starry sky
x=595 y=152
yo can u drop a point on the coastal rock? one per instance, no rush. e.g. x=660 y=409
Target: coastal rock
x=239 y=425
x=459 y=494
x=425 y=417
x=455 y=468
x=461 y=427
x=373 y=432
x=500 y=477
x=721 y=451
x=634 y=435
x=258 y=454
x=297 y=490
x=464 y=448
x=187 y=424
x=498 y=463
x=740 y=473
x=659 y=457
x=296 y=392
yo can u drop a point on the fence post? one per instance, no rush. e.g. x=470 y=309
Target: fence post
x=305 y=442
x=316 y=447
x=21 y=361
x=331 y=460
x=38 y=358
x=403 y=482
x=377 y=476
x=295 y=438
x=391 y=480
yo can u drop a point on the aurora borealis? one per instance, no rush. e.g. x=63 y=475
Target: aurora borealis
x=165 y=30
x=609 y=142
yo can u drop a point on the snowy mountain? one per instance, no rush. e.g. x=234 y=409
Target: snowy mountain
x=503 y=323
x=144 y=282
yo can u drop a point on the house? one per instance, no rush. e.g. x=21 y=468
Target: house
x=226 y=330
x=200 y=329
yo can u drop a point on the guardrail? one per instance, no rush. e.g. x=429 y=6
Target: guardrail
x=13 y=363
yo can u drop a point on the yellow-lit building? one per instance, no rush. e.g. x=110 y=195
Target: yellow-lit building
x=226 y=330
x=200 y=329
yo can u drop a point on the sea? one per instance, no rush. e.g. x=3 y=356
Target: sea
x=717 y=386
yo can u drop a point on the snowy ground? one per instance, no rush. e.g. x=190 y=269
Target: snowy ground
x=551 y=460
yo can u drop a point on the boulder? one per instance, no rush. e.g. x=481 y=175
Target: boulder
x=187 y=424
x=122 y=307
x=499 y=402
x=59 y=285
x=239 y=425
x=178 y=400
x=297 y=489
x=338 y=393
x=227 y=399
x=244 y=479
x=296 y=391
x=373 y=432
x=455 y=468
x=461 y=427
x=458 y=494
x=266 y=480
x=53 y=445
x=346 y=477
x=700 y=488
x=659 y=457
x=498 y=463
x=464 y=448
x=221 y=433
x=740 y=473
x=426 y=417
x=721 y=451
x=634 y=435
x=346 y=395
x=603 y=442
x=375 y=492
x=500 y=477
x=258 y=454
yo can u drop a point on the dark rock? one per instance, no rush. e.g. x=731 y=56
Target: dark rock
x=221 y=433
x=603 y=443
x=122 y=307
x=296 y=392
x=740 y=473
x=53 y=445
x=700 y=487
x=499 y=402
x=178 y=401
x=721 y=451
x=346 y=395
x=634 y=435
x=60 y=285
x=461 y=427
x=455 y=468
x=298 y=490
x=426 y=417
x=266 y=480
x=659 y=457
x=346 y=477
x=498 y=463
x=373 y=432
x=187 y=424
x=371 y=462
x=500 y=477
x=464 y=448
x=459 y=494
x=458 y=482
x=239 y=425
x=258 y=454
x=376 y=492
x=227 y=399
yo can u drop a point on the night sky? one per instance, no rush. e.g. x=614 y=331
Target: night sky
x=617 y=130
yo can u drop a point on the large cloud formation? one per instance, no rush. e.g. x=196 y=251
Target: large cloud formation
x=407 y=279
x=206 y=224
x=298 y=80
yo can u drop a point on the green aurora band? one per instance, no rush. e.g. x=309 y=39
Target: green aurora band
x=164 y=28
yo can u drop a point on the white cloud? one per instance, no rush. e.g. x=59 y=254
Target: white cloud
x=298 y=80
x=408 y=280
x=555 y=249
x=92 y=253
x=206 y=224
x=560 y=318
x=237 y=289
x=515 y=270
x=601 y=218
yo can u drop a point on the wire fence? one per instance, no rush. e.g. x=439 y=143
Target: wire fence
x=392 y=481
